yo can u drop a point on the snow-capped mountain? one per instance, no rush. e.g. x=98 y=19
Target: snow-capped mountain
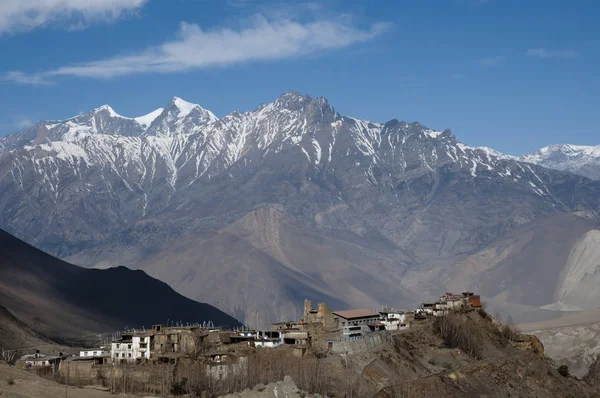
x=292 y=180
x=180 y=117
x=578 y=159
x=188 y=141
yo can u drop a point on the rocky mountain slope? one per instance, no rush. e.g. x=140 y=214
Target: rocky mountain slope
x=60 y=300
x=578 y=159
x=421 y=362
x=572 y=339
x=291 y=199
x=16 y=334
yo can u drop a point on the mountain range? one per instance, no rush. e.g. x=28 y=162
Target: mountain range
x=257 y=210
x=579 y=159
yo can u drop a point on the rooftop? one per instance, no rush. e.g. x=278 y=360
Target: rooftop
x=350 y=314
x=45 y=358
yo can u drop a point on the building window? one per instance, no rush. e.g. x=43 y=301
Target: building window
x=129 y=355
x=129 y=346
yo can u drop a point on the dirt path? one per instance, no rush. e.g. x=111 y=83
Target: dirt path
x=17 y=383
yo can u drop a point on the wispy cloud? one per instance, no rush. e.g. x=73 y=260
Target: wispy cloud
x=195 y=48
x=34 y=79
x=493 y=61
x=26 y=15
x=23 y=123
x=545 y=53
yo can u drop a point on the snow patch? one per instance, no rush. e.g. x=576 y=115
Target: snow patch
x=146 y=120
x=432 y=133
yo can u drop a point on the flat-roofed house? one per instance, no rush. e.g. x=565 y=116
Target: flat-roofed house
x=354 y=323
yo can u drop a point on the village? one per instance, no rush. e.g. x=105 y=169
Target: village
x=222 y=354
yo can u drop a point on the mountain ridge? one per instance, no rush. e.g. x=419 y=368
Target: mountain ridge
x=59 y=300
x=564 y=157
x=340 y=184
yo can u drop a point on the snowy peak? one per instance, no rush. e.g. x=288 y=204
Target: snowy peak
x=183 y=106
x=564 y=151
x=180 y=117
x=294 y=101
x=107 y=109
x=293 y=105
x=579 y=159
x=186 y=108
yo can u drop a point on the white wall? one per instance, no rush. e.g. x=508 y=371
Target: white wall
x=130 y=351
x=266 y=343
x=224 y=370
x=93 y=353
x=138 y=351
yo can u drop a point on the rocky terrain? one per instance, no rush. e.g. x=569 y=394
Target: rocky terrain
x=420 y=362
x=572 y=339
x=16 y=334
x=255 y=211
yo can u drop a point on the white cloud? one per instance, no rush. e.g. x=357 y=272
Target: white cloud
x=24 y=78
x=545 y=53
x=26 y=15
x=196 y=48
x=493 y=61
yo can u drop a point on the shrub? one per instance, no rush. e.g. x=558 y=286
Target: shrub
x=482 y=311
x=459 y=332
x=10 y=381
x=509 y=329
x=179 y=388
x=563 y=370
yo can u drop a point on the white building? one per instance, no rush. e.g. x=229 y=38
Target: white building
x=38 y=360
x=130 y=349
x=393 y=320
x=355 y=323
x=97 y=352
x=351 y=332
x=269 y=338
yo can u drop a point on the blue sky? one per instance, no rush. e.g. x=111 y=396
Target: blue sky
x=512 y=75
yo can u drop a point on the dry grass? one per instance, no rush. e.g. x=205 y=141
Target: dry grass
x=267 y=366
x=190 y=376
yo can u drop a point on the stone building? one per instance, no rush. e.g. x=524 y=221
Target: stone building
x=220 y=366
x=186 y=340
x=322 y=314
